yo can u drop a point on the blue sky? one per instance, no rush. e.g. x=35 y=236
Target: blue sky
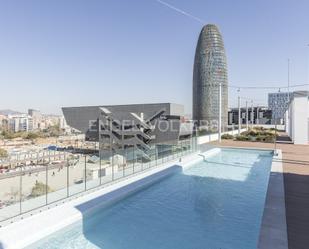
x=68 y=53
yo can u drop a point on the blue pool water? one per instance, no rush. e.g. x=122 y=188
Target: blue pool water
x=217 y=204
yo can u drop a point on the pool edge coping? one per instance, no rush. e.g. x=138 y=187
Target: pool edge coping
x=273 y=230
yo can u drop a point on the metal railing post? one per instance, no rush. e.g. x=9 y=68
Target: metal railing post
x=68 y=176
x=239 y=114
x=85 y=174
x=20 y=187
x=112 y=162
x=156 y=155
x=46 y=181
x=123 y=161
x=100 y=165
x=133 y=158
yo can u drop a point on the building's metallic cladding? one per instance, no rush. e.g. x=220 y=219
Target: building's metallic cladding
x=81 y=118
x=210 y=69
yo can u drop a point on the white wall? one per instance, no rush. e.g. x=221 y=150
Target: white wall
x=287 y=121
x=298 y=128
x=215 y=136
x=269 y=126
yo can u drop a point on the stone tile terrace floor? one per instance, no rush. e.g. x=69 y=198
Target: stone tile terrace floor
x=296 y=184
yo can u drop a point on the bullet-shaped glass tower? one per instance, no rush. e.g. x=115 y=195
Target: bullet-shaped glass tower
x=210 y=70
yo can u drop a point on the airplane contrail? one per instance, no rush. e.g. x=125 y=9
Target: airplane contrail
x=181 y=11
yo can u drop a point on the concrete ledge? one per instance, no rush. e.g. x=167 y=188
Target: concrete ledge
x=273 y=232
x=215 y=136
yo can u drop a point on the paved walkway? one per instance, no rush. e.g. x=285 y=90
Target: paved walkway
x=284 y=138
x=296 y=183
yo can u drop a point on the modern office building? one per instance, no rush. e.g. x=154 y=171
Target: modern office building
x=297 y=116
x=3 y=122
x=34 y=113
x=210 y=70
x=278 y=103
x=140 y=126
x=36 y=118
x=20 y=122
x=261 y=115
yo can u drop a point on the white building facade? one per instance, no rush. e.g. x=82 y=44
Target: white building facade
x=20 y=122
x=36 y=118
x=297 y=116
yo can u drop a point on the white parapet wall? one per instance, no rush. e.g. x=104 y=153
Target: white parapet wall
x=298 y=118
x=215 y=136
x=271 y=126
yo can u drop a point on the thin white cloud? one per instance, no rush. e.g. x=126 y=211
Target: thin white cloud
x=181 y=11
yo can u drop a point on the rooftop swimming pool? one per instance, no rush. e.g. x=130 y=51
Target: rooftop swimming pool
x=217 y=204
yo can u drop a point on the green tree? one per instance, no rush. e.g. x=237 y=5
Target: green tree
x=54 y=131
x=7 y=135
x=39 y=189
x=3 y=153
x=31 y=135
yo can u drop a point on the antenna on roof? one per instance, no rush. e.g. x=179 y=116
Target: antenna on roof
x=288 y=80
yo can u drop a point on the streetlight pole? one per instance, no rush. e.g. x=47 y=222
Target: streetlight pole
x=247 y=114
x=288 y=79
x=239 y=123
x=288 y=91
x=257 y=114
x=252 y=114
x=308 y=63
x=220 y=111
x=275 y=140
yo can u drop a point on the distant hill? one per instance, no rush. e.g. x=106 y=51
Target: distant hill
x=9 y=112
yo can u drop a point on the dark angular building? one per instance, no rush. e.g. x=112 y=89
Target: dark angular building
x=210 y=70
x=141 y=126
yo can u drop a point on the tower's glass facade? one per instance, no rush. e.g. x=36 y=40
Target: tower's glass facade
x=210 y=69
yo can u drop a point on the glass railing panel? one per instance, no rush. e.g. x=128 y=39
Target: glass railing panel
x=173 y=152
x=146 y=164
x=34 y=185
x=153 y=157
x=147 y=159
x=171 y=155
x=117 y=164
x=106 y=173
x=138 y=166
x=57 y=178
x=93 y=171
x=51 y=176
x=130 y=157
x=10 y=180
x=77 y=168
